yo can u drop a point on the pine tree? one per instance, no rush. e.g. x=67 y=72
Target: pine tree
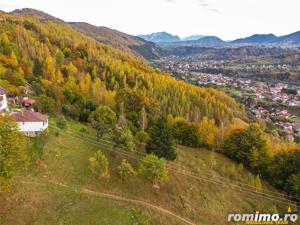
x=161 y=142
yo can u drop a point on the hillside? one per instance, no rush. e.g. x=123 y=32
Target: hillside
x=62 y=189
x=119 y=40
x=256 y=39
x=293 y=38
x=42 y=16
x=129 y=105
x=61 y=62
x=270 y=39
x=218 y=53
x=114 y=38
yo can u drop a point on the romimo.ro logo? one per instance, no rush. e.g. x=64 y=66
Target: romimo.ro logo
x=262 y=218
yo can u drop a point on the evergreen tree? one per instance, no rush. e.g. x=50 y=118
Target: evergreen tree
x=161 y=142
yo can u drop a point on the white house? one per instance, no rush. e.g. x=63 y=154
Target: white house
x=30 y=123
x=3 y=100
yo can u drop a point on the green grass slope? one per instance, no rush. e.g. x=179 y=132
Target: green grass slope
x=63 y=190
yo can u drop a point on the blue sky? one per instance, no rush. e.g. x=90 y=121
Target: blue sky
x=228 y=19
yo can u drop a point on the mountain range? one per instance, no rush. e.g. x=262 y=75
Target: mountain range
x=163 y=38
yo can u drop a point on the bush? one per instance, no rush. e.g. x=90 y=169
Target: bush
x=126 y=171
x=153 y=169
x=212 y=161
x=83 y=130
x=61 y=122
x=255 y=182
x=99 y=165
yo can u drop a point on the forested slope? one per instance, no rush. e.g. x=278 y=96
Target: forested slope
x=70 y=68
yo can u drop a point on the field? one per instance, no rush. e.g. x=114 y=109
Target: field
x=63 y=191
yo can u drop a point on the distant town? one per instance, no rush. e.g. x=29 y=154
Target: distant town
x=276 y=103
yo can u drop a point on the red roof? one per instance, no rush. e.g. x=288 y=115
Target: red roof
x=2 y=91
x=29 y=116
x=28 y=101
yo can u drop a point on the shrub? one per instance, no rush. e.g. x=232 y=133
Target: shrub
x=212 y=161
x=154 y=169
x=126 y=171
x=61 y=122
x=99 y=165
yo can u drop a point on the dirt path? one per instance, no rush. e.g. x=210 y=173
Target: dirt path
x=115 y=197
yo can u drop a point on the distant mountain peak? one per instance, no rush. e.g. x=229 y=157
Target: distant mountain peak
x=193 y=37
x=256 y=39
x=160 y=37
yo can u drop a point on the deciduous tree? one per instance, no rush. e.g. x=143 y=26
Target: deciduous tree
x=12 y=151
x=103 y=120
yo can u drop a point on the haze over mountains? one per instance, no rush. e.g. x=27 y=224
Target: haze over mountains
x=163 y=38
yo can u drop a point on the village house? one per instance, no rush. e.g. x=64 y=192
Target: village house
x=30 y=123
x=3 y=100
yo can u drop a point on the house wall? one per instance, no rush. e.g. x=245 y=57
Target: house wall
x=32 y=126
x=3 y=103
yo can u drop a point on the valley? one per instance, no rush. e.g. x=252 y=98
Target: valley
x=102 y=127
x=269 y=91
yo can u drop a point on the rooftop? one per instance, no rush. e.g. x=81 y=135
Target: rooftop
x=29 y=116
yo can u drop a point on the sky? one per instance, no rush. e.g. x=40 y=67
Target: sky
x=228 y=19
